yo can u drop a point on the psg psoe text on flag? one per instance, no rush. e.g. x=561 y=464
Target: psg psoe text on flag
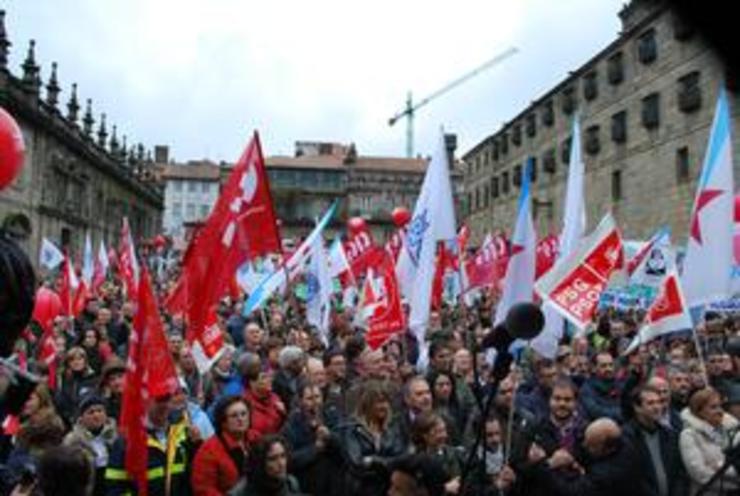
x=519 y=281
x=433 y=221
x=574 y=227
x=708 y=263
x=668 y=313
x=575 y=284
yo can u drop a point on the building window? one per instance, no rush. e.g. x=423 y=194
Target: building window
x=616 y=185
x=495 y=149
x=517 y=178
x=682 y=164
x=177 y=186
x=569 y=100
x=469 y=205
x=647 y=47
x=590 y=86
x=682 y=30
x=565 y=150
x=615 y=68
x=177 y=209
x=205 y=187
x=533 y=170
x=592 y=143
x=505 y=182
x=549 y=164
x=689 y=92
x=516 y=134
x=477 y=198
x=486 y=195
x=505 y=143
x=651 y=111
x=548 y=114
x=204 y=209
x=619 y=127
x=494 y=187
x=190 y=211
x=531 y=125
x=191 y=186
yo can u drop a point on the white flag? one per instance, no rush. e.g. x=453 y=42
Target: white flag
x=708 y=263
x=319 y=290
x=338 y=258
x=247 y=278
x=50 y=256
x=574 y=226
x=433 y=221
x=88 y=262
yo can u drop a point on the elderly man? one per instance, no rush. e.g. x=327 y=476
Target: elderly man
x=292 y=361
x=417 y=399
x=611 y=469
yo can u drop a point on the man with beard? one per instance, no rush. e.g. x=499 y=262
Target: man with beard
x=601 y=393
x=564 y=426
x=679 y=382
x=536 y=399
x=656 y=446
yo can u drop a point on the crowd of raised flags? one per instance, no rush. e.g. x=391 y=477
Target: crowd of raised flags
x=239 y=250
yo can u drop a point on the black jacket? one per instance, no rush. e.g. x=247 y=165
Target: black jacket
x=678 y=482
x=368 y=465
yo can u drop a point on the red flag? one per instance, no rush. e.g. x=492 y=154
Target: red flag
x=394 y=244
x=68 y=287
x=547 y=253
x=488 y=266
x=241 y=227
x=150 y=372
x=128 y=265
x=361 y=251
x=209 y=345
x=575 y=285
x=388 y=317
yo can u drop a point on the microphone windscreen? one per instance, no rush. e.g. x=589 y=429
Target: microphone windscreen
x=524 y=321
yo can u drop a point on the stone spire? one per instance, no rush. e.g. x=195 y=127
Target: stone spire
x=114 y=143
x=102 y=132
x=87 y=120
x=31 y=78
x=73 y=106
x=4 y=43
x=123 y=151
x=52 y=87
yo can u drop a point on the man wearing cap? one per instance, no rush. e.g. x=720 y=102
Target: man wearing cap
x=96 y=434
x=169 y=455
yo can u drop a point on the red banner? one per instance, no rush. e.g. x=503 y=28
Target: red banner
x=547 y=253
x=387 y=318
x=575 y=285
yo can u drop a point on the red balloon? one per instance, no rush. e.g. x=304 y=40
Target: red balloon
x=48 y=305
x=356 y=224
x=160 y=241
x=737 y=208
x=401 y=216
x=11 y=149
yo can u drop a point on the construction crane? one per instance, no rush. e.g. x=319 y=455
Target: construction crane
x=411 y=108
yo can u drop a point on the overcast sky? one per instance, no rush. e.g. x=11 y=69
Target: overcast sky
x=200 y=75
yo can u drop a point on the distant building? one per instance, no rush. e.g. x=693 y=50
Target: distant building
x=190 y=192
x=77 y=176
x=646 y=104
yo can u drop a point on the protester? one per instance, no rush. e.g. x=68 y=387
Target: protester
x=267 y=471
x=221 y=460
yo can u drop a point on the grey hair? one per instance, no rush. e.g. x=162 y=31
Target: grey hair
x=290 y=354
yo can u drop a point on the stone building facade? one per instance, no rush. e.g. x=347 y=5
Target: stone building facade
x=77 y=177
x=645 y=105
x=304 y=185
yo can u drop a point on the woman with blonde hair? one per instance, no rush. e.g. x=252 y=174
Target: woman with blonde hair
x=708 y=432
x=78 y=380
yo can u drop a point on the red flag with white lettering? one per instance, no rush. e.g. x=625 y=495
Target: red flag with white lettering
x=128 y=264
x=388 y=317
x=241 y=227
x=488 y=266
x=575 y=284
x=209 y=345
x=547 y=253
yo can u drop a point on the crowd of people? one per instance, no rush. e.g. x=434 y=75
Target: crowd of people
x=281 y=414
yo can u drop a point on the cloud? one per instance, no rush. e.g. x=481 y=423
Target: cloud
x=200 y=75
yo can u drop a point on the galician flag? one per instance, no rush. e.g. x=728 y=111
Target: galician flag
x=433 y=221
x=50 y=256
x=319 y=288
x=574 y=226
x=708 y=263
x=519 y=282
x=667 y=314
x=277 y=278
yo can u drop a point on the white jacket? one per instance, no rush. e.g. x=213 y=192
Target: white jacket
x=702 y=450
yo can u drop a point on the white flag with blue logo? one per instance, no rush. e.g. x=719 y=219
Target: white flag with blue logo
x=519 y=282
x=277 y=278
x=50 y=256
x=708 y=263
x=574 y=225
x=319 y=288
x=433 y=221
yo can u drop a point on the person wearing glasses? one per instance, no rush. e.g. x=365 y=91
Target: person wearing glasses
x=220 y=461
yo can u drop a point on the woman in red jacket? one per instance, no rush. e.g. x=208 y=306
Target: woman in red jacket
x=220 y=460
x=267 y=411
